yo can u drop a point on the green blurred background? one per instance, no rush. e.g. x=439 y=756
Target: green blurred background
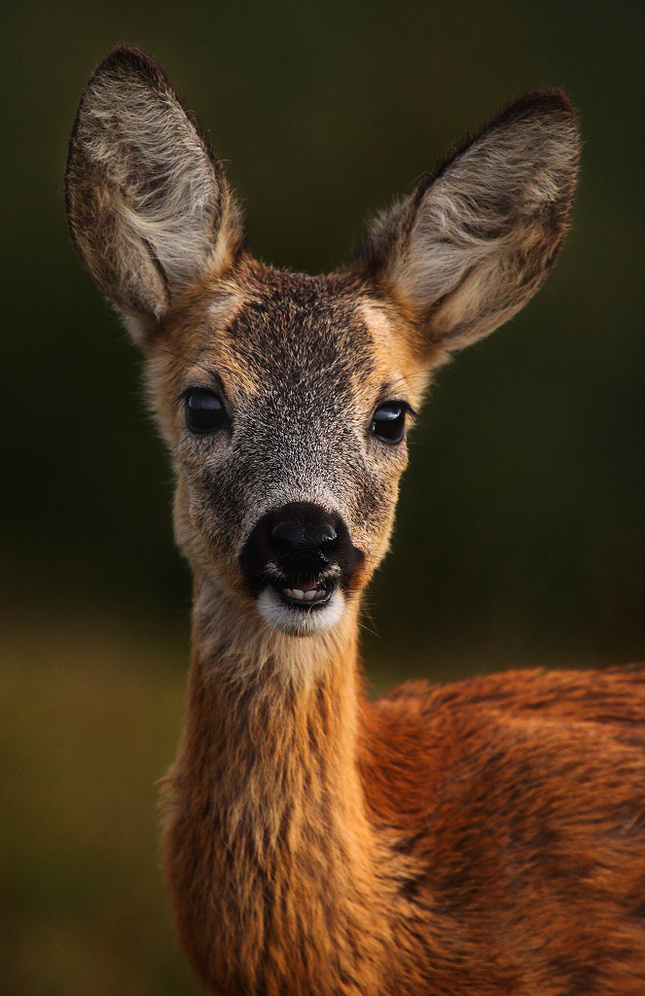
x=521 y=535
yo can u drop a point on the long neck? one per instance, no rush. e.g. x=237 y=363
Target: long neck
x=270 y=858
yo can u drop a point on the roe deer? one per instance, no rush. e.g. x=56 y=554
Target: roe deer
x=482 y=838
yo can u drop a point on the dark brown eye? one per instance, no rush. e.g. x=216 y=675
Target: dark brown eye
x=388 y=422
x=204 y=410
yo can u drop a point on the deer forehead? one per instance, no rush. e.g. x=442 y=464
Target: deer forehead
x=289 y=341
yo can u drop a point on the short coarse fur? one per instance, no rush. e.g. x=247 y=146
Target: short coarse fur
x=481 y=839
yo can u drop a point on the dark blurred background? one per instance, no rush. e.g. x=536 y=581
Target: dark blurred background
x=521 y=534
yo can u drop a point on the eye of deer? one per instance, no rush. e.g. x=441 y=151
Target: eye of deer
x=204 y=410
x=388 y=421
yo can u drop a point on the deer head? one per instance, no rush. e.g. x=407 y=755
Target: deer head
x=284 y=398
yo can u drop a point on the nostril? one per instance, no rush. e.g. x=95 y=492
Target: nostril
x=296 y=536
x=287 y=535
x=327 y=537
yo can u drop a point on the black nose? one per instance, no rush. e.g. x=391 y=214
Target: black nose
x=298 y=539
x=303 y=542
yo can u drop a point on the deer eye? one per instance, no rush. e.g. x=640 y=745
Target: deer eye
x=204 y=410
x=388 y=421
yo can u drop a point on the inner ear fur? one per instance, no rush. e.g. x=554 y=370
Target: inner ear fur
x=147 y=200
x=477 y=238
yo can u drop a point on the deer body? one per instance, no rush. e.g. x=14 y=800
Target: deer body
x=485 y=838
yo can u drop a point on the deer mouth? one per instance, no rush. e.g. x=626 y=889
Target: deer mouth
x=305 y=594
x=301 y=606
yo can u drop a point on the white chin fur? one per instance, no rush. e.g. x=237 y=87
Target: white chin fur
x=297 y=622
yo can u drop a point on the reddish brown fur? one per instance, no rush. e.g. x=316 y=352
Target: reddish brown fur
x=478 y=839
x=490 y=836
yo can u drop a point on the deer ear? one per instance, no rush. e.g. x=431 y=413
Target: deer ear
x=147 y=201
x=476 y=239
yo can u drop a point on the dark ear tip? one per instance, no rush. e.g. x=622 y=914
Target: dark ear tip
x=128 y=60
x=541 y=102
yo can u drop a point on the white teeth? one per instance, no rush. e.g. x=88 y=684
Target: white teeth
x=294 y=593
x=303 y=596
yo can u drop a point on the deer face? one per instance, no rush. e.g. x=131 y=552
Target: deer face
x=284 y=398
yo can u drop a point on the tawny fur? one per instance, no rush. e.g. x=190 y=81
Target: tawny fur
x=477 y=839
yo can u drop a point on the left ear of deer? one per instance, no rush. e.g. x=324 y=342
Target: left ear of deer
x=476 y=240
x=148 y=203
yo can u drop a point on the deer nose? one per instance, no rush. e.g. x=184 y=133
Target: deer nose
x=297 y=539
x=302 y=542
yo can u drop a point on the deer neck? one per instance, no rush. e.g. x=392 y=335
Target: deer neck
x=270 y=857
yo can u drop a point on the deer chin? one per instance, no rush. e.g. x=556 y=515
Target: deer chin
x=288 y=612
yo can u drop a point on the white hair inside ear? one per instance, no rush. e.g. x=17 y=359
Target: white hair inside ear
x=474 y=242
x=148 y=202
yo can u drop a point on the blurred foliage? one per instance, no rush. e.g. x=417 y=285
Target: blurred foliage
x=521 y=535
x=90 y=718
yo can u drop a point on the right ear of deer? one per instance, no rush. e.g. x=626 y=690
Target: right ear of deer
x=477 y=238
x=148 y=204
